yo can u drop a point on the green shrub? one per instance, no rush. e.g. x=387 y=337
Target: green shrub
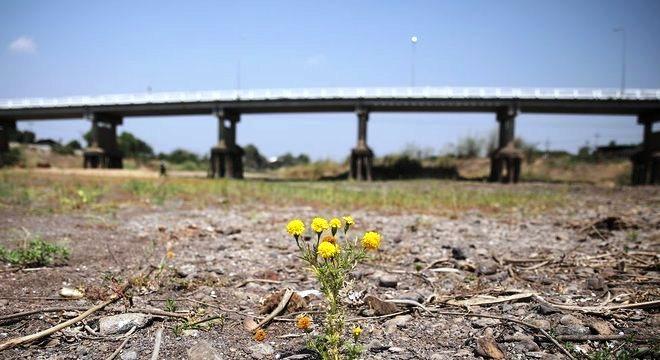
x=36 y=253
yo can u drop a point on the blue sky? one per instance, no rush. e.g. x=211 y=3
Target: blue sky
x=58 y=48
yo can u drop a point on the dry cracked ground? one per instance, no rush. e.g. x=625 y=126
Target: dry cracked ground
x=584 y=274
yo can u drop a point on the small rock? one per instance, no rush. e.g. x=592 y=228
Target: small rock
x=128 y=355
x=546 y=310
x=388 y=281
x=71 y=293
x=487 y=347
x=379 y=306
x=190 y=333
x=543 y=324
x=119 y=324
x=396 y=349
x=398 y=321
x=570 y=320
x=438 y=356
x=577 y=330
x=203 y=351
x=487 y=268
x=601 y=327
x=186 y=270
x=596 y=283
x=69 y=314
x=458 y=253
x=376 y=346
x=3 y=303
x=485 y=322
x=261 y=351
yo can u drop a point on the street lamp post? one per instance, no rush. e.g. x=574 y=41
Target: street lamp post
x=622 y=30
x=413 y=42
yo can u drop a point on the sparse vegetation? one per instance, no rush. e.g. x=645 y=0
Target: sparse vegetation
x=35 y=253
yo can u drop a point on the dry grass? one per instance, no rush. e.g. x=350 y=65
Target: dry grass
x=49 y=191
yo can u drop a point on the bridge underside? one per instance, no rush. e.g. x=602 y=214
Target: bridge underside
x=107 y=112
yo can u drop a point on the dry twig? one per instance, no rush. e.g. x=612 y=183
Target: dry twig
x=159 y=339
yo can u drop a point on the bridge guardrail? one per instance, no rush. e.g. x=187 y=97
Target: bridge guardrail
x=337 y=93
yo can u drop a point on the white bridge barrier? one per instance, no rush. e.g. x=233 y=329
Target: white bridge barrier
x=431 y=93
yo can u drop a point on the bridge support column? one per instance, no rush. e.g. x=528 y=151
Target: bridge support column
x=362 y=156
x=646 y=161
x=226 y=156
x=7 y=130
x=505 y=162
x=103 y=151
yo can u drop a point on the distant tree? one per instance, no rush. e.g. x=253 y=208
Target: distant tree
x=253 y=159
x=302 y=159
x=179 y=156
x=88 y=137
x=73 y=145
x=134 y=147
x=469 y=147
x=24 y=137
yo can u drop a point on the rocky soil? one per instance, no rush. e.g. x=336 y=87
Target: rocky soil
x=575 y=272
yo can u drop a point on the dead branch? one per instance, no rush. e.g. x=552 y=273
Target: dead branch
x=39 y=311
x=267 y=281
x=280 y=307
x=123 y=343
x=379 y=316
x=30 y=338
x=591 y=337
x=159 y=339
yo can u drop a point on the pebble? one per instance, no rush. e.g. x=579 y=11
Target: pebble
x=203 y=351
x=487 y=268
x=122 y=323
x=570 y=320
x=388 y=281
x=376 y=346
x=396 y=322
x=577 y=330
x=458 y=253
x=541 y=323
x=128 y=355
x=261 y=351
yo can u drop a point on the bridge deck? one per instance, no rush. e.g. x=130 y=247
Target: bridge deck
x=425 y=99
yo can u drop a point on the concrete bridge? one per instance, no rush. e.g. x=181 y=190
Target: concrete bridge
x=106 y=112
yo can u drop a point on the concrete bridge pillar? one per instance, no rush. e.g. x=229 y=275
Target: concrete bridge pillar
x=646 y=160
x=103 y=152
x=7 y=129
x=362 y=156
x=226 y=156
x=506 y=160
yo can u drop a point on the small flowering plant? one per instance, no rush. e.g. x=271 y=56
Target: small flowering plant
x=331 y=257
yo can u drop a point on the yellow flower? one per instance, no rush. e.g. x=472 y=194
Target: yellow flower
x=260 y=335
x=348 y=222
x=304 y=322
x=170 y=254
x=319 y=225
x=335 y=224
x=357 y=331
x=371 y=240
x=295 y=228
x=327 y=250
x=330 y=239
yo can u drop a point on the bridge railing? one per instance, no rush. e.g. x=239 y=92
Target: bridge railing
x=337 y=93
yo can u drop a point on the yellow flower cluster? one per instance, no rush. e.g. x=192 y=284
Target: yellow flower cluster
x=327 y=250
x=319 y=225
x=295 y=228
x=371 y=240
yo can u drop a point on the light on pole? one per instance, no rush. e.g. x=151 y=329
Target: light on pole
x=413 y=42
x=622 y=30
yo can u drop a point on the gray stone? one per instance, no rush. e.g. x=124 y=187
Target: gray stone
x=388 y=281
x=128 y=355
x=487 y=268
x=577 y=330
x=398 y=321
x=203 y=351
x=187 y=270
x=122 y=323
x=569 y=320
x=261 y=351
x=376 y=346
x=543 y=324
